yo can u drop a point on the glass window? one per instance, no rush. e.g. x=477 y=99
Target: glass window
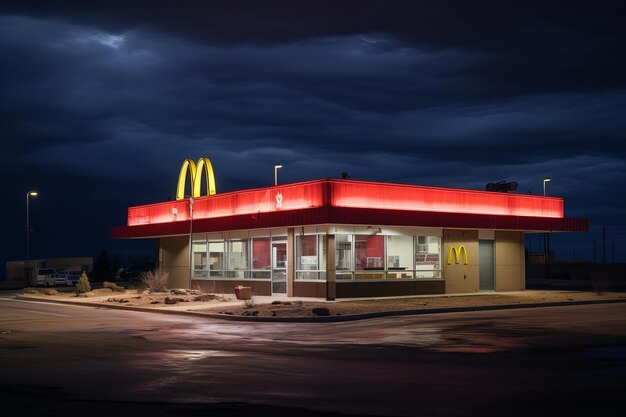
x=399 y=257
x=238 y=259
x=369 y=257
x=321 y=252
x=427 y=257
x=199 y=259
x=216 y=258
x=369 y=252
x=306 y=253
x=343 y=253
x=310 y=257
x=261 y=257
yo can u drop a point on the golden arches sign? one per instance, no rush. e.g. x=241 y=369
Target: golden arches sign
x=457 y=254
x=195 y=177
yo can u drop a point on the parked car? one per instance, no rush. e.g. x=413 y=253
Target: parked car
x=47 y=277
x=72 y=274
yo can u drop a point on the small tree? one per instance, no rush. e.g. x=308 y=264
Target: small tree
x=82 y=286
x=156 y=280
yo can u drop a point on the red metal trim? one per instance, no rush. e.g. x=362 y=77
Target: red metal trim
x=355 y=216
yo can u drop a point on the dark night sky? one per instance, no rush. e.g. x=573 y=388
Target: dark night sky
x=101 y=102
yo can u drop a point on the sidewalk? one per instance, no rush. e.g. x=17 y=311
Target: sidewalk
x=282 y=309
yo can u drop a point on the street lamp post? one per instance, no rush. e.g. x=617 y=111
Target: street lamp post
x=190 y=239
x=545 y=180
x=546 y=238
x=276 y=167
x=27 y=266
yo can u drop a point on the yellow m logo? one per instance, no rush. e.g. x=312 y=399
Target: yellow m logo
x=457 y=254
x=195 y=177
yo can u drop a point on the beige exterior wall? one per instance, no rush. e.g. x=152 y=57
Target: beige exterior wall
x=510 y=264
x=461 y=278
x=174 y=257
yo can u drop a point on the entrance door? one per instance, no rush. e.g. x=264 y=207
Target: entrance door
x=279 y=268
x=486 y=265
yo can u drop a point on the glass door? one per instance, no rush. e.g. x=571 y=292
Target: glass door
x=279 y=267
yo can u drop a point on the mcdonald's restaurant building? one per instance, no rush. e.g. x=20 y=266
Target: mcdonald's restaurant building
x=335 y=238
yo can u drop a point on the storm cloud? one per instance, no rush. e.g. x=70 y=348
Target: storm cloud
x=100 y=104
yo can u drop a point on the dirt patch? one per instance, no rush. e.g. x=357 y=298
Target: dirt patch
x=166 y=298
x=267 y=307
x=338 y=308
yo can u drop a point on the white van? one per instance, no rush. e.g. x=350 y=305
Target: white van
x=47 y=277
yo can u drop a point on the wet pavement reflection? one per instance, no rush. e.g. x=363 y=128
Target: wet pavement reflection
x=388 y=366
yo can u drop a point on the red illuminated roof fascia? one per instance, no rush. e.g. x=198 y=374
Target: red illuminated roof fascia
x=335 y=201
x=341 y=215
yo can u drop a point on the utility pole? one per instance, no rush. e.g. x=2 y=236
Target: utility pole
x=612 y=250
x=594 y=251
x=603 y=244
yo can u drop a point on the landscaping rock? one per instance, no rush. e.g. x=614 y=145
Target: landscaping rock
x=169 y=300
x=117 y=300
x=205 y=297
x=321 y=311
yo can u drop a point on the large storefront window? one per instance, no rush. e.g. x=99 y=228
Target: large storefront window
x=399 y=257
x=357 y=257
x=369 y=255
x=427 y=257
x=216 y=259
x=261 y=258
x=199 y=259
x=238 y=259
x=375 y=257
x=343 y=257
x=311 y=257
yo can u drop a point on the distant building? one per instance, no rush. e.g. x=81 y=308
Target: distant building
x=338 y=238
x=16 y=270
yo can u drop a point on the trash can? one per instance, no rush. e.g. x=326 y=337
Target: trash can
x=243 y=293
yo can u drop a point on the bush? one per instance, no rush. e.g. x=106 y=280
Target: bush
x=113 y=286
x=156 y=280
x=82 y=286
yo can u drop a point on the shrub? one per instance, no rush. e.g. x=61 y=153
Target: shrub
x=82 y=286
x=141 y=287
x=156 y=280
x=113 y=286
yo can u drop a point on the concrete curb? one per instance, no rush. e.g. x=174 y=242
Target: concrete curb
x=327 y=319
